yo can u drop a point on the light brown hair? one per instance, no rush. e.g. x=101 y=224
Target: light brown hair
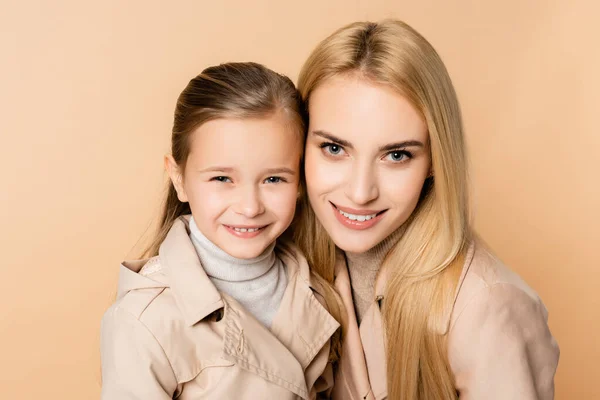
x=424 y=266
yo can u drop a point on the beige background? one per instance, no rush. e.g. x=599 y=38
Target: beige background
x=87 y=91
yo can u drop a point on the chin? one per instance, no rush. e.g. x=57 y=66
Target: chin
x=354 y=245
x=245 y=253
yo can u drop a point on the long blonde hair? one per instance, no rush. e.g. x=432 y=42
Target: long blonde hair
x=424 y=266
x=234 y=90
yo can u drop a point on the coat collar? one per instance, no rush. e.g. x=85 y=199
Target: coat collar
x=130 y=279
x=194 y=293
x=353 y=368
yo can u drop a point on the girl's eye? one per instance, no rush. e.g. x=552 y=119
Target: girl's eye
x=398 y=156
x=223 y=179
x=332 y=149
x=274 y=179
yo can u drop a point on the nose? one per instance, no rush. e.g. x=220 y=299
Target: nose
x=249 y=203
x=362 y=186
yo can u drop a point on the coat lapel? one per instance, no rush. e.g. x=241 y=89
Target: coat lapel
x=254 y=348
x=352 y=378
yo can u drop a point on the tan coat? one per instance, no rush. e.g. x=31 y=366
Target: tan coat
x=171 y=334
x=500 y=347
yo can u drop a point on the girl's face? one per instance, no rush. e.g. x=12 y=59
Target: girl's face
x=241 y=181
x=367 y=157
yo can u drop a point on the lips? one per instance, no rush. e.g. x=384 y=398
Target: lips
x=357 y=219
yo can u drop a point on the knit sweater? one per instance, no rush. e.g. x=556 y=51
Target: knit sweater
x=363 y=269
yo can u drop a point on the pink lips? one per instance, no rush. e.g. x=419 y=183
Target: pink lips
x=356 y=225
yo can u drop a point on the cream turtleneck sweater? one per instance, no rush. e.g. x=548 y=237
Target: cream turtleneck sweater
x=258 y=283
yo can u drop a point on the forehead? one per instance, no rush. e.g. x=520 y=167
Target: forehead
x=360 y=111
x=245 y=142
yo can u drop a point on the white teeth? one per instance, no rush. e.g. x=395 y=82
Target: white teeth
x=245 y=230
x=360 y=218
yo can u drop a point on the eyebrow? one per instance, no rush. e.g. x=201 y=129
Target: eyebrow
x=400 y=145
x=228 y=170
x=281 y=170
x=330 y=137
x=387 y=147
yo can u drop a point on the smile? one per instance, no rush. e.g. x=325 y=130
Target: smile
x=246 y=229
x=245 y=232
x=357 y=219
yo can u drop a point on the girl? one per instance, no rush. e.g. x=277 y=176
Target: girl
x=437 y=316
x=220 y=310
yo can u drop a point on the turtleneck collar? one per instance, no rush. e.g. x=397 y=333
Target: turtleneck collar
x=373 y=258
x=363 y=269
x=220 y=265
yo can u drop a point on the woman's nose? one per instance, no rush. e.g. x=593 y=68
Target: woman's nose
x=362 y=187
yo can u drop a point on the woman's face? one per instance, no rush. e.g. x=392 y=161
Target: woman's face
x=367 y=157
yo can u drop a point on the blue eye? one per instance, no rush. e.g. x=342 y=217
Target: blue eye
x=274 y=179
x=398 y=155
x=335 y=149
x=223 y=179
x=332 y=148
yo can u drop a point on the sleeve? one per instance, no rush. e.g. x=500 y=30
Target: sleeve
x=500 y=347
x=134 y=365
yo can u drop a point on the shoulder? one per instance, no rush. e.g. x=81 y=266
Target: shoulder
x=124 y=326
x=487 y=281
x=499 y=328
x=147 y=321
x=145 y=300
x=142 y=284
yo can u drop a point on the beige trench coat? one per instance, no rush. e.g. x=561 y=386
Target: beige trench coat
x=500 y=346
x=171 y=334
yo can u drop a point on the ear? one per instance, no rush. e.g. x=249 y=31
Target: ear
x=176 y=177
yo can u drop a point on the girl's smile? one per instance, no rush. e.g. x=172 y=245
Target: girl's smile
x=245 y=232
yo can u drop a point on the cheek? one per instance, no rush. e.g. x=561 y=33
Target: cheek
x=282 y=201
x=206 y=202
x=404 y=189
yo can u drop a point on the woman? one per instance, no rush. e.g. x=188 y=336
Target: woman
x=432 y=314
